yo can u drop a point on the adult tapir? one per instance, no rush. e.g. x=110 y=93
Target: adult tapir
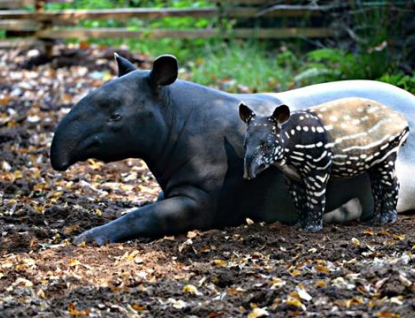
x=191 y=138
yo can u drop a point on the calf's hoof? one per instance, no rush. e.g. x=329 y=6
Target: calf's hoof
x=313 y=228
x=388 y=217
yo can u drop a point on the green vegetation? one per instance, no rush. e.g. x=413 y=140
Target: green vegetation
x=237 y=66
x=368 y=48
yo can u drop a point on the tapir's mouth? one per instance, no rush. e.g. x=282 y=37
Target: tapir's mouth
x=60 y=166
x=251 y=171
x=63 y=158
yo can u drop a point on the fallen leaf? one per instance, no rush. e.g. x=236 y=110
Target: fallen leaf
x=355 y=242
x=139 y=307
x=322 y=269
x=320 y=284
x=295 y=303
x=73 y=262
x=190 y=289
x=77 y=313
x=387 y=314
x=219 y=262
x=192 y=234
x=249 y=221
x=295 y=273
x=258 y=312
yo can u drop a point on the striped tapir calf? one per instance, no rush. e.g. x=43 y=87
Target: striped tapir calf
x=338 y=139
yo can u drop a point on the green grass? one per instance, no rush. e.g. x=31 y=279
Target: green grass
x=237 y=65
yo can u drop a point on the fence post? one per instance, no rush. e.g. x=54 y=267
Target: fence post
x=43 y=24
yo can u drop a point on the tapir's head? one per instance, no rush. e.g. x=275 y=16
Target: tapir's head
x=121 y=119
x=263 y=143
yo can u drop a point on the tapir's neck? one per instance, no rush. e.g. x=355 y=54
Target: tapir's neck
x=188 y=112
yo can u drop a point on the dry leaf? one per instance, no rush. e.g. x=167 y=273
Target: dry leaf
x=139 y=307
x=355 y=242
x=387 y=314
x=192 y=234
x=322 y=269
x=219 y=262
x=73 y=262
x=249 y=221
x=190 y=289
x=295 y=302
x=258 y=312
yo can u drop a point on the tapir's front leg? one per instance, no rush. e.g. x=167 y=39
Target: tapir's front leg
x=315 y=189
x=298 y=195
x=170 y=216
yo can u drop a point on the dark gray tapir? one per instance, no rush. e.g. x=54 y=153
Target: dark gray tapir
x=191 y=138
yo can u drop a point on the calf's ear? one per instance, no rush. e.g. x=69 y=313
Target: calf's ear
x=124 y=65
x=246 y=113
x=165 y=70
x=281 y=114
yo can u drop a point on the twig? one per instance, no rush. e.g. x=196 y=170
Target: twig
x=283 y=7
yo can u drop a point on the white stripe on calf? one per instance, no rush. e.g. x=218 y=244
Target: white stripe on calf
x=323 y=155
x=322 y=179
x=374 y=144
x=317 y=145
x=297 y=153
x=319 y=194
x=384 y=157
x=339 y=156
x=339 y=140
x=378 y=124
x=296 y=158
x=384 y=146
x=325 y=167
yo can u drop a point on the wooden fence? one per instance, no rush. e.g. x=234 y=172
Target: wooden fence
x=36 y=23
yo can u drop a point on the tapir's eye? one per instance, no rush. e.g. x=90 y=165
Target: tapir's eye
x=114 y=117
x=265 y=145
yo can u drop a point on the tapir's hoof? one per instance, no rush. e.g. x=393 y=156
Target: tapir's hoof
x=96 y=235
x=313 y=228
x=387 y=217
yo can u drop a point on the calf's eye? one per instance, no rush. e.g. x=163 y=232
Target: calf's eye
x=265 y=146
x=114 y=117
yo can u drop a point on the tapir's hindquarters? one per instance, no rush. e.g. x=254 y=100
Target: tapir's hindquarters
x=365 y=137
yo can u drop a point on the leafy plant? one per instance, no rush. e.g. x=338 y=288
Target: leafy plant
x=238 y=66
x=404 y=81
x=324 y=65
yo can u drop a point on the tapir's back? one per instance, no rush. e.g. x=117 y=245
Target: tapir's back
x=360 y=131
x=355 y=124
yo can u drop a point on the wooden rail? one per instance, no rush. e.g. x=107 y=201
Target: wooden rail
x=147 y=13
x=84 y=34
x=50 y=25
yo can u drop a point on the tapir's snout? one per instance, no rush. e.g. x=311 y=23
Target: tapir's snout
x=248 y=175
x=66 y=143
x=252 y=167
x=249 y=168
x=59 y=165
x=59 y=154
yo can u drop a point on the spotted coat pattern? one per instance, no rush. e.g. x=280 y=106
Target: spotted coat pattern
x=339 y=139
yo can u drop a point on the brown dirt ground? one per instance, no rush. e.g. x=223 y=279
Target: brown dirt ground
x=253 y=270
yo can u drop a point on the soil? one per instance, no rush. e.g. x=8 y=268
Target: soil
x=253 y=270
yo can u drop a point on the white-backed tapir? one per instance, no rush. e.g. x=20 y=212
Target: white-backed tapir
x=191 y=138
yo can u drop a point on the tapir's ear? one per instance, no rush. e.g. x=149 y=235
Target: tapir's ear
x=124 y=65
x=165 y=70
x=246 y=113
x=281 y=114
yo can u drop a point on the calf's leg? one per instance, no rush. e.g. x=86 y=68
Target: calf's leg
x=298 y=195
x=385 y=188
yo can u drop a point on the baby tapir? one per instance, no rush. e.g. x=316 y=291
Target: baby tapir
x=339 y=139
